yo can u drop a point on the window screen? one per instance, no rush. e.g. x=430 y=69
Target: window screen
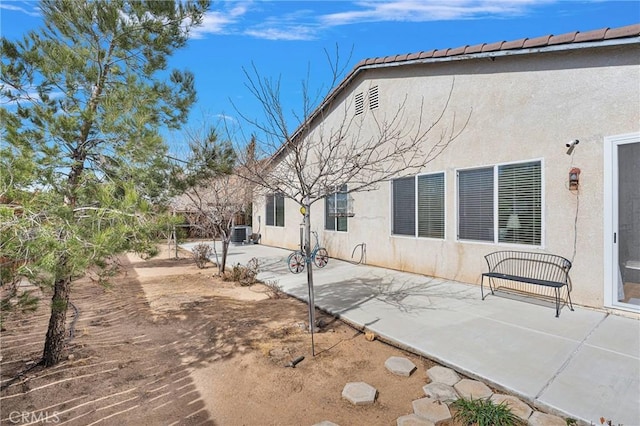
x=431 y=206
x=336 y=210
x=275 y=210
x=520 y=203
x=518 y=192
x=475 y=204
x=269 y=214
x=404 y=206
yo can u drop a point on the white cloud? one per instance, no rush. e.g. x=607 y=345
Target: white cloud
x=262 y=20
x=225 y=117
x=425 y=10
x=298 y=32
x=213 y=23
x=32 y=11
x=218 y=22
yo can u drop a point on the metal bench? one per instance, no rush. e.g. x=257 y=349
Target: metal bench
x=542 y=269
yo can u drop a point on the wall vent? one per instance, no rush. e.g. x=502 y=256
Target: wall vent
x=359 y=103
x=373 y=97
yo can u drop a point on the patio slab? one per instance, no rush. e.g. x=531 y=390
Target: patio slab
x=584 y=364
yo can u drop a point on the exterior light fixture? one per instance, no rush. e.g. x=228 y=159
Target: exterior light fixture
x=574 y=178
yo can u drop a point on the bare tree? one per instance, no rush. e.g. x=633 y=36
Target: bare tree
x=210 y=195
x=213 y=206
x=332 y=146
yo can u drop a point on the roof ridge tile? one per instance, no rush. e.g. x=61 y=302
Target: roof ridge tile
x=522 y=43
x=628 y=31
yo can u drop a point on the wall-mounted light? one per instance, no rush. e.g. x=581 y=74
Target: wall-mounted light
x=572 y=145
x=574 y=178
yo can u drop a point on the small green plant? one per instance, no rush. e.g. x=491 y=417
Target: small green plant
x=483 y=412
x=201 y=254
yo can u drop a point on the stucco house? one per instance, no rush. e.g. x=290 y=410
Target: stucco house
x=548 y=161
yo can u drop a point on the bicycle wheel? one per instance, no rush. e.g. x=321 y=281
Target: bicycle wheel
x=295 y=262
x=321 y=258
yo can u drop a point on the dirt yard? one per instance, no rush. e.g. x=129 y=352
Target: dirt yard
x=170 y=344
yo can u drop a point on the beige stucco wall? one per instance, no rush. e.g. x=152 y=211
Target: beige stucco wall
x=522 y=107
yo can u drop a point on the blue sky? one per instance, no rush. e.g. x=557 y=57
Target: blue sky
x=285 y=39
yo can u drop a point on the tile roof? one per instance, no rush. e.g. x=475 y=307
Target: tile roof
x=574 y=37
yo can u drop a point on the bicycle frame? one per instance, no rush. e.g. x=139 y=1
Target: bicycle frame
x=298 y=259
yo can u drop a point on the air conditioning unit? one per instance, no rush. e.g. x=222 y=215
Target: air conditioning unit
x=240 y=234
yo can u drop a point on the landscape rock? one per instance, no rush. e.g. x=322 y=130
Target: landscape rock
x=400 y=366
x=441 y=392
x=443 y=375
x=516 y=406
x=472 y=389
x=433 y=410
x=543 y=419
x=359 y=393
x=413 y=420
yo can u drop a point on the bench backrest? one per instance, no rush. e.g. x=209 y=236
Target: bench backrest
x=541 y=266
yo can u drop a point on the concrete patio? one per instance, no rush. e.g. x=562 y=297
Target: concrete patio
x=584 y=364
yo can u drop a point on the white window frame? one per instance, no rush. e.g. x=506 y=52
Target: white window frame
x=496 y=228
x=275 y=210
x=610 y=225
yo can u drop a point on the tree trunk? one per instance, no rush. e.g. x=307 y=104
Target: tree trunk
x=309 y=265
x=54 y=343
x=225 y=250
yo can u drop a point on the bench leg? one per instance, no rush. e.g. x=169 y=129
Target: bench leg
x=569 y=297
x=482 y=287
x=557 y=302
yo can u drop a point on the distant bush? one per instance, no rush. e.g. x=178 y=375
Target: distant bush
x=201 y=254
x=245 y=275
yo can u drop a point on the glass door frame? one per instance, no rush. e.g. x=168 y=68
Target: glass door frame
x=611 y=263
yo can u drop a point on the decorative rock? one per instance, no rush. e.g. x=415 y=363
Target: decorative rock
x=516 y=406
x=441 y=392
x=413 y=420
x=359 y=393
x=400 y=366
x=542 y=419
x=443 y=375
x=326 y=423
x=472 y=389
x=435 y=411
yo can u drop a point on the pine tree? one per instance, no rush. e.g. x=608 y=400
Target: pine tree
x=83 y=160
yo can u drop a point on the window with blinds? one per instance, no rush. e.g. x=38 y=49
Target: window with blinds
x=359 y=103
x=520 y=203
x=475 y=204
x=431 y=206
x=279 y=210
x=269 y=214
x=518 y=192
x=404 y=216
x=336 y=210
x=274 y=210
x=423 y=194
